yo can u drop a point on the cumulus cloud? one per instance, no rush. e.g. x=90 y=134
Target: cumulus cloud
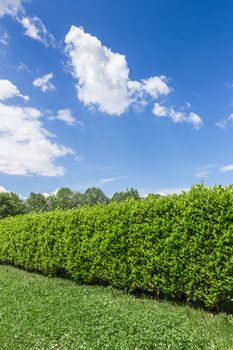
x=10 y=7
x=25 y=146
x=9 y=90
x=153 y=87
x=177 y=116
x=160 y=110
x=103 y=76
x=44 y=83
x=35 y=29
x=195 y=120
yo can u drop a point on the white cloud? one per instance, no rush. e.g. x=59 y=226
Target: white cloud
x=163 y=191
x=202 y=174
x=79 y=158
x=103 y=76
x=195 y=120
x=112 y=179
x=207 y=166
x=25 y=146
x=205 y=170
x=4 y=38
x=3 y=189
x=9 y=90
x=35 y=29
x=226 y=168
x=153 y=87
x=44 y=83
x=22 y=67
x=46 y=194
x=223 y=123
x=177 y=116
x=80 y=124
x=160 y=110
x=108 y=180
x=64 y=115
x=156 y=86
x=10 y=7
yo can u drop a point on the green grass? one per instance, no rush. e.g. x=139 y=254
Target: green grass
x=39 y=312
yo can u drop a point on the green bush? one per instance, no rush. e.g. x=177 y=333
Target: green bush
x=178 y=246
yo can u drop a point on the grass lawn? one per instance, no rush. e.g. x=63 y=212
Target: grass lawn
x=39 y=312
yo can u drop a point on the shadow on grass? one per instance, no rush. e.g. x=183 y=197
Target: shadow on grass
x=226 y=306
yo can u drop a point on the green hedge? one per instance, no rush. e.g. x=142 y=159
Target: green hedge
x=178 y=246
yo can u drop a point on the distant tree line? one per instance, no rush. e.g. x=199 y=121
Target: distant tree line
x=11 y=204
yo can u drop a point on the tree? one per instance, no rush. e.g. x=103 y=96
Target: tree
x=130 y=193
x=93 y=196
x=11 y=205
x=36 y=202
x=64 y=199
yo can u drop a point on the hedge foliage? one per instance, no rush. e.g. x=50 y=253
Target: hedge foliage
x=178 y=246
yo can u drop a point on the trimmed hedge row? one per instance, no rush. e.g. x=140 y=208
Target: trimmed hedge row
x=178 y=246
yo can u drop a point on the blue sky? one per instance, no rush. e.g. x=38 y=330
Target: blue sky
x=115 y=94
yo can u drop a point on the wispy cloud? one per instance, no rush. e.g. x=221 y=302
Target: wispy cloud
x=228 y=84
x=223 y=123
x=113 y=179
x=66 y=116
x=202 y=174
x=79 y=158
x=34 y=27
x=11 y=7
x=44 y=83
x=36 y=30
x=4 y=38
x=22 y=67
x=226 y=168
x=9 y=90
x=205 y=170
